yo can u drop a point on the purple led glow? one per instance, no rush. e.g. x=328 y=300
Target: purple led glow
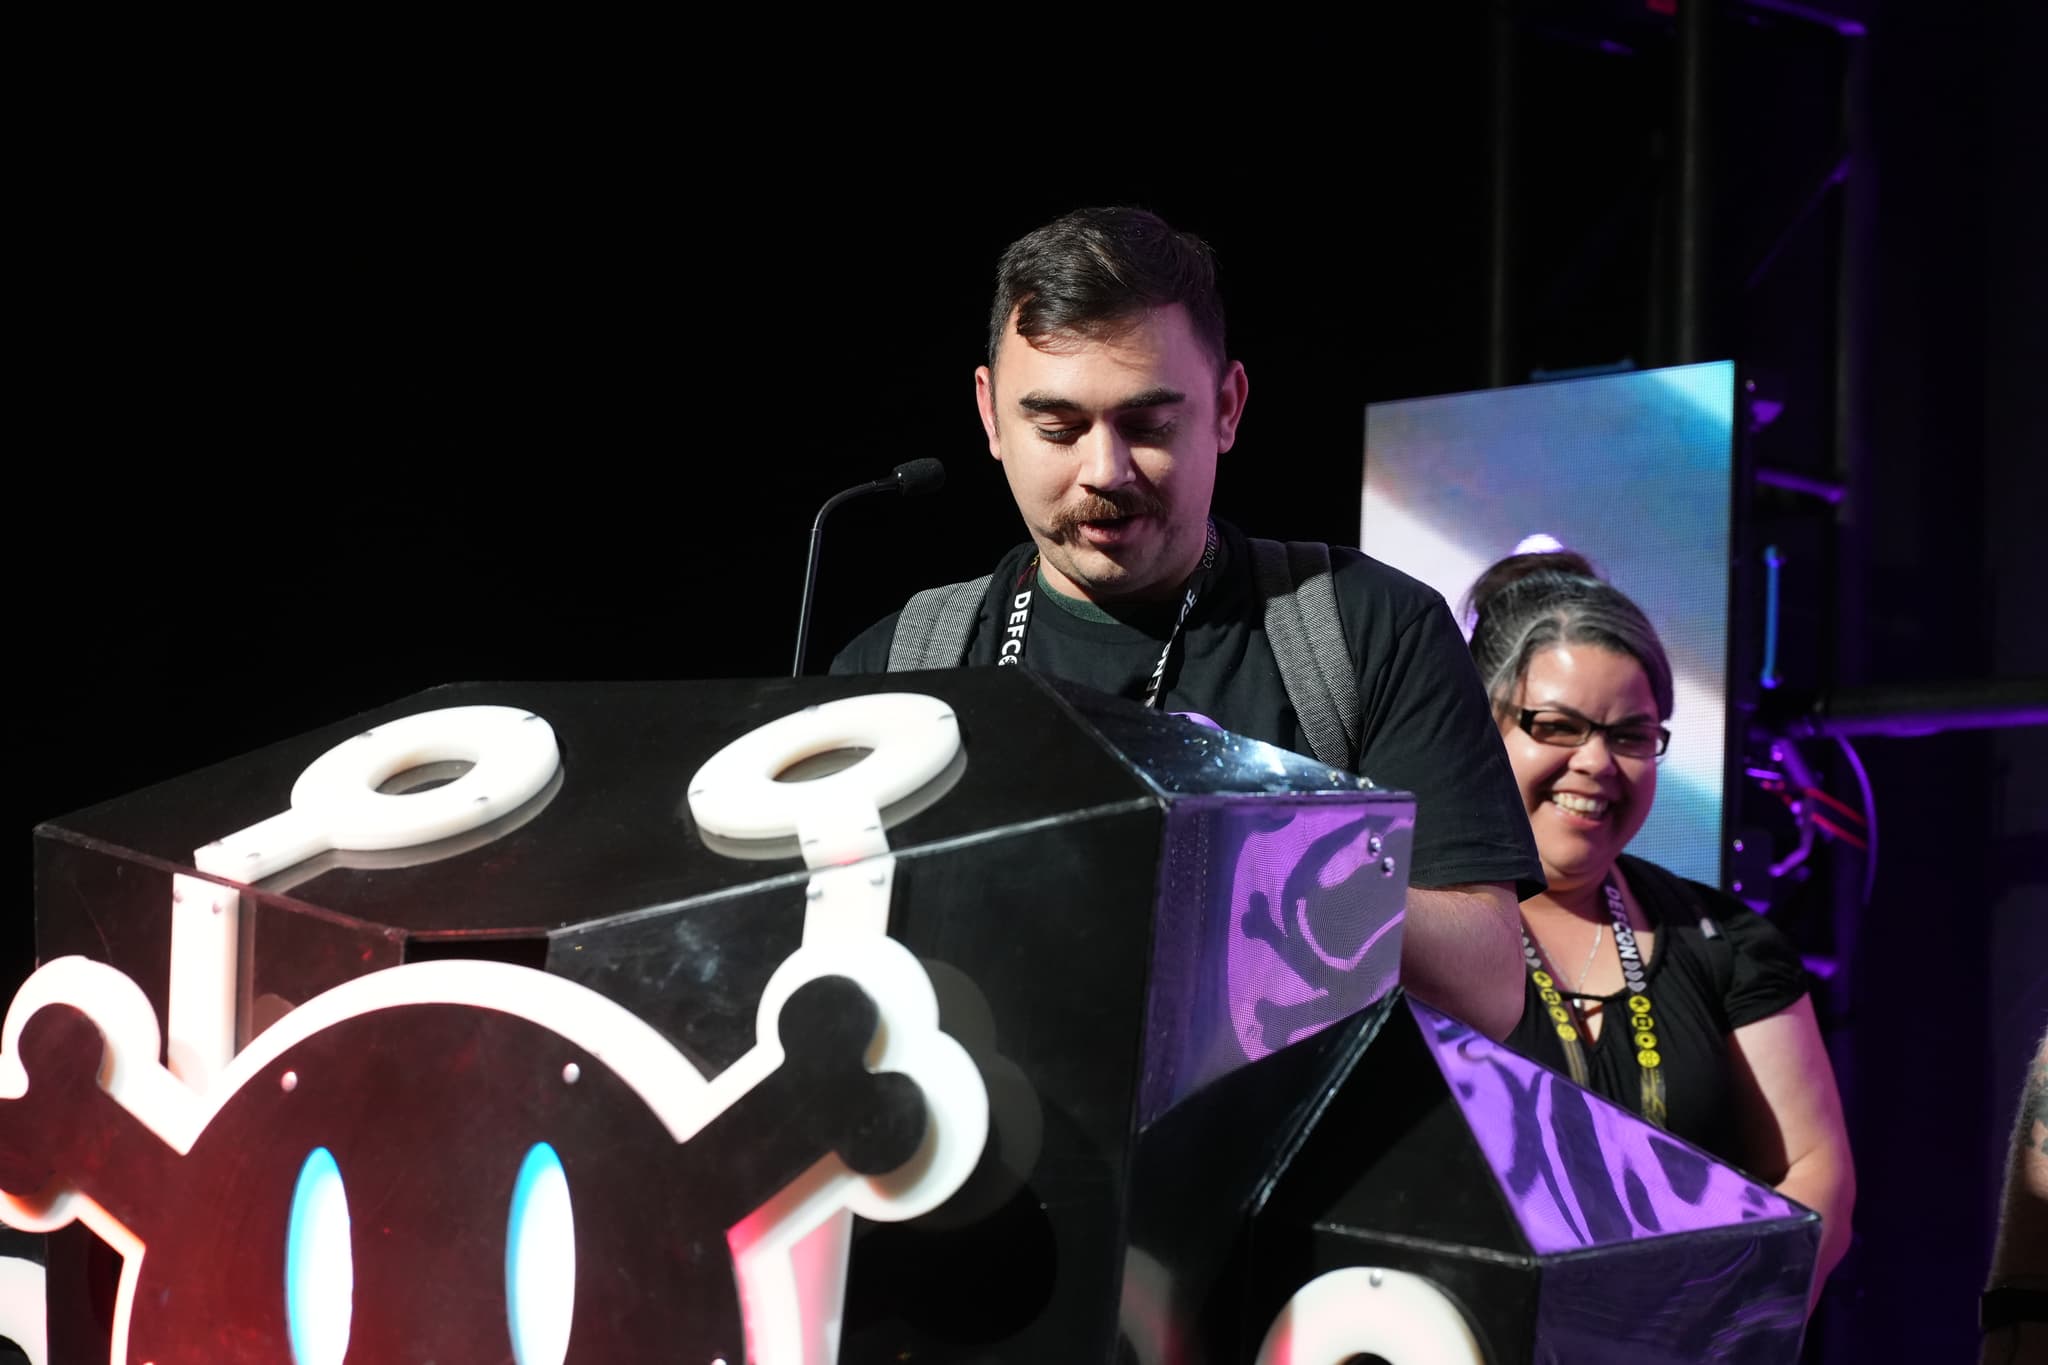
x=1814 y=14
x=1826 y=490
x=1932 y=720
x=1577 y=1170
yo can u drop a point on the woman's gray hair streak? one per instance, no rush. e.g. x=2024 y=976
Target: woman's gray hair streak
x=1528 y=603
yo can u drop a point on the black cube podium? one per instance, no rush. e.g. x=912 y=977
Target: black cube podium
x=1164 y=948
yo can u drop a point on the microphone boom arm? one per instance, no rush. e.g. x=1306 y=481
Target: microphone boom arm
x=910 y=478
x=803 y=616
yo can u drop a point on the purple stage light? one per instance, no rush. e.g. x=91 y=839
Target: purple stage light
x=1827 y=490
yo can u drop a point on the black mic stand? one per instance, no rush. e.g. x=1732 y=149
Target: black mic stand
x=910 y=479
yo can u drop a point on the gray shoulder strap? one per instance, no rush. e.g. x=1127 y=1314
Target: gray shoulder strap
x=1307 y=639
x=932 y=629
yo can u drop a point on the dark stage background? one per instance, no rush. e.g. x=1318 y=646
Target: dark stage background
x=540 y=368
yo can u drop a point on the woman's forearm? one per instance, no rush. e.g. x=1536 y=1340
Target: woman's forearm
x=1825 y=1181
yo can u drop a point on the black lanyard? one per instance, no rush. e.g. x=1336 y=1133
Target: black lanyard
x=1011 y=650
x=1642 y=1023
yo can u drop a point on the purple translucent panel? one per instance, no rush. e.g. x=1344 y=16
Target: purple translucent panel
x=1577 y=1170
x=1276 y=919
x=1731 y=1296
x=1317 y=919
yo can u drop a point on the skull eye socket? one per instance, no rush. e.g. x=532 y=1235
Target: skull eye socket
x=319 y=1264
x=540 y=1260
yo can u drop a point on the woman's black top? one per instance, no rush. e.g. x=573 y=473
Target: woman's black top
x=1715 y=966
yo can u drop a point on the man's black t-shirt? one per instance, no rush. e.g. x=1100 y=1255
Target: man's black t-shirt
x=1427 y=726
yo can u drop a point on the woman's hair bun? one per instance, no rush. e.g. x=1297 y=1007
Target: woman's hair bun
x=1504 y=574
x=1530 y=602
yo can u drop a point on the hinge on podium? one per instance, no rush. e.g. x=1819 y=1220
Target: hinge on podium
x=853 y=872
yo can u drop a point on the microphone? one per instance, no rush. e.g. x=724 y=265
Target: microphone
x=918 y=476
x=911 y=478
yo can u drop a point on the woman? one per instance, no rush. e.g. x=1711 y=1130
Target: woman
x=1662 y=994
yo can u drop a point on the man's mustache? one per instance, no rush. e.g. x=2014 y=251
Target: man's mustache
x=1106 y=507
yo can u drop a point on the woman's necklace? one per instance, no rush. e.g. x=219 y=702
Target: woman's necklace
x=1598 y=931
x=1642 y=1023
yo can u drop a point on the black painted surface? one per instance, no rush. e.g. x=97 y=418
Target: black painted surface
x=617 y=836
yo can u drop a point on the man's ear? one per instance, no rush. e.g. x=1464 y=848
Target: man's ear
x=985 y=399
x=1230 y=398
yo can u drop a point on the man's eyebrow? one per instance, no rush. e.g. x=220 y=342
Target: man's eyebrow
x=1160 y=397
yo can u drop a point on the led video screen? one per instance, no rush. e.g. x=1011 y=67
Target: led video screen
x=1632 y=470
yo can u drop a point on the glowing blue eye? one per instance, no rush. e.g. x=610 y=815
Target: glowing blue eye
x=319 y=1264
x=540 y=1260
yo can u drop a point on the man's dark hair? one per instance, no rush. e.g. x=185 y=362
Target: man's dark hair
x=1097 y=271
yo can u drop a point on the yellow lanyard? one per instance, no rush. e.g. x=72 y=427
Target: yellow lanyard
x=1642 y=1022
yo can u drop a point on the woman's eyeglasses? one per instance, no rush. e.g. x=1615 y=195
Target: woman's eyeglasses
x=1569 y=730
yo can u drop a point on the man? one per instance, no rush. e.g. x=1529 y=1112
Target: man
x=1109 y=398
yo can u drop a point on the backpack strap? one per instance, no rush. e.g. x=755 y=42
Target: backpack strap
x=933 y=627
x=1307 y=639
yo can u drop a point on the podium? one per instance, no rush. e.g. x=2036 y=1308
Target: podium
x=748 y=1020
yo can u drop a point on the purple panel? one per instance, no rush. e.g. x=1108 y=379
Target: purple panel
x=1734 y=1296
x=1317 y=938
x=1276 y=920
x=1577 y=1170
